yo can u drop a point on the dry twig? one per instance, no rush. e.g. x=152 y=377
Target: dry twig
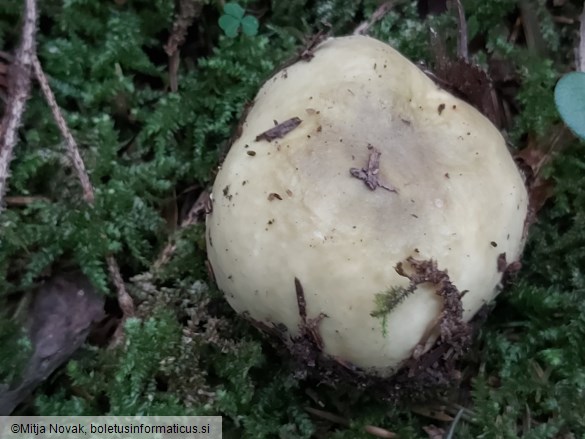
x=532 y=32
x=462 y=45
x=453 y=426
x=581 y=51
x=25 y=201
x=379 y=432
x=124 y=299
x=378 y=14
x=193 y=217
x=19 y=88
x=70 y=143
x=188 y=11
x=370 y=174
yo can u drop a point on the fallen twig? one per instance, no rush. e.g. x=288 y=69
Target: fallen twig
x=200 y=207
x=25 y=201
x=532 y=31
x=380 y=432
x=188 y=11
x=125 y=301
x=453 y=426
x=581 y=51
x=513 y=37
x=19 y=88
x=378 y=14
x=462 y=45
x=70 y=143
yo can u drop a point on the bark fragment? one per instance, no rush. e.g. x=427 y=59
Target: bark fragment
x=280 y=130
x=369 y=175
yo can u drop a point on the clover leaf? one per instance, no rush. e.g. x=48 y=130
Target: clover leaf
x=570 y=101
x=250 y=25
x=234 y=10
x=234 y=18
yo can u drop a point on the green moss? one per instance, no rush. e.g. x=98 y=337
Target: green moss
x=534 y=342
x=15 y=349
x=387 y=301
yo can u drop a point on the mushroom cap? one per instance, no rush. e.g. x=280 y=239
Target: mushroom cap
x=291 y=208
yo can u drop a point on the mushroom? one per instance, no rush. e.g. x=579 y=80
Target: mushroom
x=352 y=171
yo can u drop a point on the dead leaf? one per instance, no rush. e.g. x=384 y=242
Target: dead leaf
x=540 y=192
x=532 y=156
x=532 y=159
x=59 y=321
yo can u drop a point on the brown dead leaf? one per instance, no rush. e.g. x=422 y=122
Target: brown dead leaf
x=59 y=321
x=540 y=192
x=532 y=159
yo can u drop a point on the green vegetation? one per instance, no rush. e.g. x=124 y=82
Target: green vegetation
x=234 y=19
x=149 y=150
x=387 y=301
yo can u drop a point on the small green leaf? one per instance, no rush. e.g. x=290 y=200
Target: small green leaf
x=250 y=25
x=570 y=101
x=229 y=25
x=234 y=10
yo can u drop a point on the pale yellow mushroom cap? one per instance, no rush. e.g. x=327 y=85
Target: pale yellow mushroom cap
x=290 y=208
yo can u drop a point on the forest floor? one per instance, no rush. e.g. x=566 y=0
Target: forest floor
x=115 y=117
